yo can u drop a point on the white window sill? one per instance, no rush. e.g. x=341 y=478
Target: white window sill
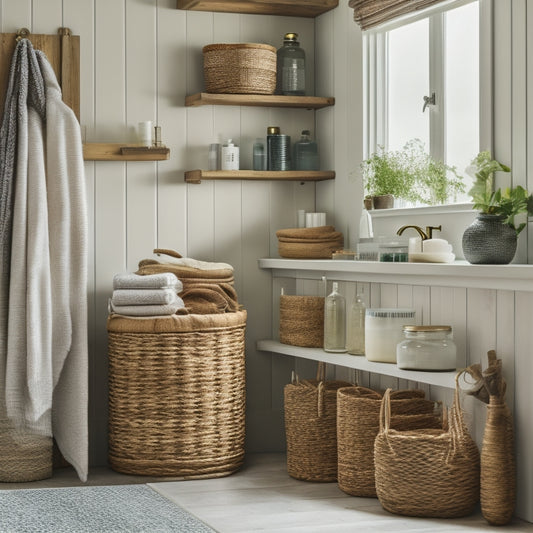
x=450 y=209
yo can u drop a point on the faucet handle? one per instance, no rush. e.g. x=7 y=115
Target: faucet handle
x=429 y=230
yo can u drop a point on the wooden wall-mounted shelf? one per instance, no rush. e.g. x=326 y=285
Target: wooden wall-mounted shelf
x=291 y=8
x=196 y=176
x=122 y=152
x=259 y=100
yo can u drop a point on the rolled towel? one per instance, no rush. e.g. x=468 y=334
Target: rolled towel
x=148 y=310
x=143 y=296
x=129 y=280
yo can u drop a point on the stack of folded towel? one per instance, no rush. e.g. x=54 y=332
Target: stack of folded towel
x=207 y=287
x=309 y=243
x=154 y=295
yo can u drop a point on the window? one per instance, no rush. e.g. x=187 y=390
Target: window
x=433 y=58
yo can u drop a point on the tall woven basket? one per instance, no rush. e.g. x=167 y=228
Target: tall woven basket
x=301 y=320
x=177 y=394
x=311 y=427
x=427 y=472
x=358 y=425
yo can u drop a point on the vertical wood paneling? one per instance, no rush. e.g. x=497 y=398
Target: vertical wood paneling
x=523 y=403
x=141 y=85
x=45 y=16
x=16 y=15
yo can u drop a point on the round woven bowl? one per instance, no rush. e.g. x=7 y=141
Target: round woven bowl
x=301 y=321
x=177 y=395
x=243 y=68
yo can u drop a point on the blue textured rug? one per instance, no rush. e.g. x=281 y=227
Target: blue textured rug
x=108 y=509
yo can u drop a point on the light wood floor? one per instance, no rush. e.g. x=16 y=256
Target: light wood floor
x=262 y=497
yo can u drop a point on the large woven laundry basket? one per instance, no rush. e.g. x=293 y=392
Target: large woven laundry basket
x=177 y=394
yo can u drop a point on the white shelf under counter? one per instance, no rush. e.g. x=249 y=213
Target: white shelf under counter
x=458 y=274
x=359 y=362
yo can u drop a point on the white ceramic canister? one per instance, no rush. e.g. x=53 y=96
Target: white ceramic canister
x=427 y=348
x=384 y=330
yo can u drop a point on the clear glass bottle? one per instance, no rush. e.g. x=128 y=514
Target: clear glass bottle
x=335 y=321
x=427 y=348
x=259 y=155
x=305 y=155
x=291 y=67
x=355 y=332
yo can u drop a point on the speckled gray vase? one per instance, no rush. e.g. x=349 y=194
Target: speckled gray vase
x=487 y=241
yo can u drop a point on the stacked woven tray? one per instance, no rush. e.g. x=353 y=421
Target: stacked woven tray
x=309 y=243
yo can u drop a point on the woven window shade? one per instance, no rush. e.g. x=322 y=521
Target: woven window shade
x=369 y=13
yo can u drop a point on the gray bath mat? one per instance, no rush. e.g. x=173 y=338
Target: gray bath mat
x=108 y=509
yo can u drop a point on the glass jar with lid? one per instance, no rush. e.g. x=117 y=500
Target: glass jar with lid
x=427 y=348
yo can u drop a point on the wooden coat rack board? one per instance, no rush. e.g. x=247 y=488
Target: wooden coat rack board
x=63 y=53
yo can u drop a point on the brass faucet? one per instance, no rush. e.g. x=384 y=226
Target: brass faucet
x=428 y=234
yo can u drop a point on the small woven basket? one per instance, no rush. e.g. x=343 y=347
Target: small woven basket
x=177 y=394
x=427 y=472
x=311 y=428
x=358 y=425
x=243 y=68
x=23 y=456
x=301 y=321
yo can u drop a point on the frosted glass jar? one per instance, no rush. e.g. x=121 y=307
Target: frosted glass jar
x=383 y=331
x=427 y=348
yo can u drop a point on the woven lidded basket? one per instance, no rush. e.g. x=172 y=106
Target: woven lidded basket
x=311 y=427
x=242 y=68
x=427 y=472
x=358 y=425
x=177 y=394
x=301 y=321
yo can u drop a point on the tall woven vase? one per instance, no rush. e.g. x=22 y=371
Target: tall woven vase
x=498 y=470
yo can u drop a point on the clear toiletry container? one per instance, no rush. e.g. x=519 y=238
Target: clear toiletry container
x=305 y=153
x=290 y=67
x=384 y=330
x=427 y=348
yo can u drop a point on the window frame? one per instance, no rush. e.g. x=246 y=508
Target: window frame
x=375 y=70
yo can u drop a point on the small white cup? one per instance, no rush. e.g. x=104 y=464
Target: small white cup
x=144 y=133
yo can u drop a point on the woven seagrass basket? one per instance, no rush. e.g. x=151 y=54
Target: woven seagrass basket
x=23 y=456
x=177 y=394
x=431 y=473
x=242 y=68
x=358 y=425
x=311 y=427
x=301 y=321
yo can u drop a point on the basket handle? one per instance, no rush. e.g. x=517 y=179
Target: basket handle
x=456 y=421
x=321 y=371
x=384 y=413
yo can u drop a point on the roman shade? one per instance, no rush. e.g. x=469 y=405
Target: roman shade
x=369 y=13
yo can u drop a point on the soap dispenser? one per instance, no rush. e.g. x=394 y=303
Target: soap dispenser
x=230 y=156
x=335 y=321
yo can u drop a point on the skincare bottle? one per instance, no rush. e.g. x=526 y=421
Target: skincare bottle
x=230 y=156
x=305 y=155
x=355 y=333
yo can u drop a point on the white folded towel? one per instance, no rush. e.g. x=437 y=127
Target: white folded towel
x=128 y=280
x=143 y=296
x=147 y=310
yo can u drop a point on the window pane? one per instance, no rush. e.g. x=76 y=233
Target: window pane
x=462 y=88
x=408 y=77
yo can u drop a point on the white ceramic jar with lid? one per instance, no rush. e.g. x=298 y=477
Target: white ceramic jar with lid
x=384 y=330
x=427 y=348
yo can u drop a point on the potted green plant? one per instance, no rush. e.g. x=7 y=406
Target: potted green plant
x=492 y=237
x=410 y=174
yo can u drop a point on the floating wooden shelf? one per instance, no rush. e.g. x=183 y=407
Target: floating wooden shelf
x=122 y=152
x=259 y=100
x=196 y=176
x=291 y=8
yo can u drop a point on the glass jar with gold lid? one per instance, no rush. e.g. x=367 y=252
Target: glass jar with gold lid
x=427 y=348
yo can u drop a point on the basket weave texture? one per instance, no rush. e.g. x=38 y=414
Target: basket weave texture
x=311 y=428
x=301 y=321
x=243 y=68
x=23 y=456
x=427 y=472
x=358 y=425
x=309 y=243
x=177 y=395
